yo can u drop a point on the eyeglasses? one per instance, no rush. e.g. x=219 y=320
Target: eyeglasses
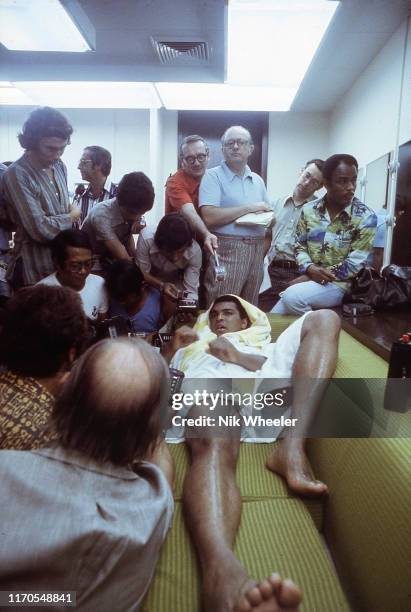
x=77 y=266
x=85 y=161
x=240 y=142
x=306 y=176
x=191 y=159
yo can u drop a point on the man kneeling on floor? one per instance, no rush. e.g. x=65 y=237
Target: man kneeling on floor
x=91 y=514
x=233 y=338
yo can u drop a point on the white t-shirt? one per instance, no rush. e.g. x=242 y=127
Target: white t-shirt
x=93 y=295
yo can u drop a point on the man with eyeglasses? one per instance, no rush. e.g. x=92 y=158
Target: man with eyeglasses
x=73 y=259
x=94 y=166
x=182 y=187
x=228 y=192
x=334 y=238
x=283 y=268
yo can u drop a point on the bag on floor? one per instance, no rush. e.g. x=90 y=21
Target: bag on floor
x=390 y=289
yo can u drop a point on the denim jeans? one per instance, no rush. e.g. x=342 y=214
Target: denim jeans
x=303 y=297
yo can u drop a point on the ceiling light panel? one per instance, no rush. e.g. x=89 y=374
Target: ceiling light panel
x=211 y=96
x=272 y=42
x=11 y=96
x=91 y=94
x=43 y=25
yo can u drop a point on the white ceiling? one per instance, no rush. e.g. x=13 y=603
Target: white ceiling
x=124 y=52
x=360 y=28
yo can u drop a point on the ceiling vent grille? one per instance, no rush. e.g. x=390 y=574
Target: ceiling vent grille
x=173 y=51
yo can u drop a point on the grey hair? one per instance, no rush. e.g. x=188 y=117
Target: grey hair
x=193 y=138
x=238 y=127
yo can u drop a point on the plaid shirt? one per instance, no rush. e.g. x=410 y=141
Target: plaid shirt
x=341 y=245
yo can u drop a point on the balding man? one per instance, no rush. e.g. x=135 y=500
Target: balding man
x=99 y=503
x=228 y=192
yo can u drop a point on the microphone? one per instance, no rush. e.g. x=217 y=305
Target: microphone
x=80 y=189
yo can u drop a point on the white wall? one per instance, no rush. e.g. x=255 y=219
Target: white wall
x=137 y=139
x=293 y=139
x=125 y=133
x=364 y=123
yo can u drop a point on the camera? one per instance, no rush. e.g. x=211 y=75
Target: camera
x=186 y=304
x=187 y=308
x=111 y=328
x=220 y=272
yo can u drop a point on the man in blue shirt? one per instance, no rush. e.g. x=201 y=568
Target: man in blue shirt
x=228 y=192
x=131 y=298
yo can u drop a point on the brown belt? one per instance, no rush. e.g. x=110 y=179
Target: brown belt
x=286 y=264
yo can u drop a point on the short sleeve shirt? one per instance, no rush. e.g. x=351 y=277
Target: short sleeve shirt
x=93 y=528
x=181 y=188
x=221 y=187
x=93 y=295
x=105 y=222
x=150 y=260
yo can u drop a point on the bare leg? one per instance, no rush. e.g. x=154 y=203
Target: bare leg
x=212 y=506
x=316 y=360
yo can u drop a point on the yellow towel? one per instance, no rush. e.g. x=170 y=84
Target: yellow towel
x=257 y=335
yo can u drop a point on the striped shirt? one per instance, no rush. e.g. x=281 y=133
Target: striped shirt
x=87 y=202
x=39 y=208
x=341 y=245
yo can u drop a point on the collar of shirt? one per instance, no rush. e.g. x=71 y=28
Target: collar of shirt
x=117 y=218
x=78 y=459
x=103 y=195
x=191 y=181
x=25 y=159
x=345 y=214
x=230 y=174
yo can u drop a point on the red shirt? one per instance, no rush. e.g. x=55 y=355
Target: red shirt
x=181 y=188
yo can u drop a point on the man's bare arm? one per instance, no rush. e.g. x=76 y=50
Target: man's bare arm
x=225 y=351
x=169 y=289
x=183 y=337
x=116 y=249
x=198 y=225
x=215 y=216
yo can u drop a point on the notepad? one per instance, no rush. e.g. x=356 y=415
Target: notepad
x=263 y=218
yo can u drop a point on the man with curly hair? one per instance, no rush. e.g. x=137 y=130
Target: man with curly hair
x=43 y=331
x=36 y=194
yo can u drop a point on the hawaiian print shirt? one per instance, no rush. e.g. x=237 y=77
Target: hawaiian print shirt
x=341 y=245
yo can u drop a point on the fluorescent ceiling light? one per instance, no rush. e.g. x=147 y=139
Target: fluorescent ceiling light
x=210 y=96
x=271 y=43
x=11 y=96
x=91 y=94
x=44 y=25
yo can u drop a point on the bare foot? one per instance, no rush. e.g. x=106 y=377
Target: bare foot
x=224 y=587
x=230 y=589
x=271 y=595
x=290 y=461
